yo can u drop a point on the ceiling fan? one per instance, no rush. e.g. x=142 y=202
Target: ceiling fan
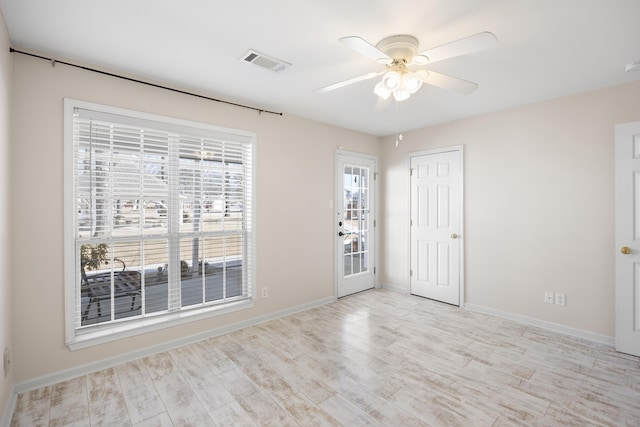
x=398 y=52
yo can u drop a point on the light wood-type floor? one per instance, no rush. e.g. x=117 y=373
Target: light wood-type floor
x=375 y=358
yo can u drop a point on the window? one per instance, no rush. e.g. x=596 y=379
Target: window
x=158 y=222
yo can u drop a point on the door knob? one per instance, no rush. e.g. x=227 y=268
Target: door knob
x=625 y=250
x=454 y=236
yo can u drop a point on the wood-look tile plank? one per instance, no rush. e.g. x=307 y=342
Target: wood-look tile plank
x=347 y=413
x=279 y=333
x=561 y=416
x=247 y=358
x=231 y=415
x=32 y=408
x=264 y=410
x=238 y=383
x=206 y=385
x=302 y=380
x=183 y=406
x=438 y=407
x=210 y=391
x=215 y=359
x=362 y=388
x=107 y=405
x=307 y=413
x=160 y=420
x=141 y=396
x=69 y=403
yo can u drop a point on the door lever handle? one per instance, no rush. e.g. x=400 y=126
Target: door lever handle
x=340 y=233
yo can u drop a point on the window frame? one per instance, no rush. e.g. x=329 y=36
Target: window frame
x=76 y=338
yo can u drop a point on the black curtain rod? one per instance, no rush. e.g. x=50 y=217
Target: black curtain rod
x=55 y=61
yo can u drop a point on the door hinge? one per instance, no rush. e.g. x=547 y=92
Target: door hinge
x=410 y=273
x=410 y=171
x=374 y=270
x=375 y=175
x=374 y=222
x=411 y=222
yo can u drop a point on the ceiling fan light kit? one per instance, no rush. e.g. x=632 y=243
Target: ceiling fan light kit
x=397 y=52
x=391 y=80
x=398 y=80
x=402 y=84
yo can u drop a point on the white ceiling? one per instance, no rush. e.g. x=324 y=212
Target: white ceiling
x=547 y=48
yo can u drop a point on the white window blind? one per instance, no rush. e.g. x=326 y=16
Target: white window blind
x=162 y=219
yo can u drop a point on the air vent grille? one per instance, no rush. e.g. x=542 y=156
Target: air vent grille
x=265 y=61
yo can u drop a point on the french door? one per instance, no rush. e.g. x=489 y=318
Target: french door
x=355 y=219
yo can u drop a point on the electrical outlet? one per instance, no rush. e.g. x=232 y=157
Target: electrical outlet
x=560 y=299
x=6 y=361
x=548 y=297
x=265 y=292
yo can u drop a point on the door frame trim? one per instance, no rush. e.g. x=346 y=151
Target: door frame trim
x=460 y=150
x=338 y=188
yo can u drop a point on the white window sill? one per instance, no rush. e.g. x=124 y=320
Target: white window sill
x=103 y=334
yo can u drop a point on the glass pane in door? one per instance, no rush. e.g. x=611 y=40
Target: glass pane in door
x=356 y=219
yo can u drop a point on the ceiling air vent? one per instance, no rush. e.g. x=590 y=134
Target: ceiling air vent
x=265 y=61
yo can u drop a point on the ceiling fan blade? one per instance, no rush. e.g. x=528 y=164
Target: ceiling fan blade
x=474 y=43
x=365 y=48
x=348 y=82
x=451 y=83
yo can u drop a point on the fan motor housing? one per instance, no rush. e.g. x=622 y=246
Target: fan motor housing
x=399 y=47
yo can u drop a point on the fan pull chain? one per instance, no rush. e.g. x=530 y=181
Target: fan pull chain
x=398 y=134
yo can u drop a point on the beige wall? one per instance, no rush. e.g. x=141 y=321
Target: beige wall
x=539 y=205
x=295 y=175
x=6 y=321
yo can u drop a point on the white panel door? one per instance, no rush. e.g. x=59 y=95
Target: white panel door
x=436 y=220
x=628 y=238
x=355 y=213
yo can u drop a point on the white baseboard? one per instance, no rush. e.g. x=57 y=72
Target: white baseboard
x=395 y=288
x=68 y=374
x=554 y=327
x=5 y=421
